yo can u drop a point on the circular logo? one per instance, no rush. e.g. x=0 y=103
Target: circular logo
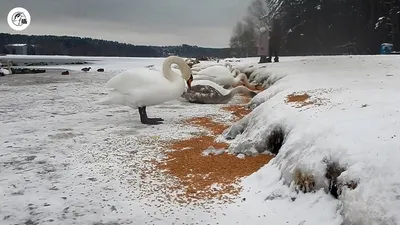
x=19 y=19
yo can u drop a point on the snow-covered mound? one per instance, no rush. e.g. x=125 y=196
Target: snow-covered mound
x=333 y=121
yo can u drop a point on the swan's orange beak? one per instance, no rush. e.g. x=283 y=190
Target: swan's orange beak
x=189 y=82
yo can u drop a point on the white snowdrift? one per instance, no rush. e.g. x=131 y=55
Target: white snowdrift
x=353 y=120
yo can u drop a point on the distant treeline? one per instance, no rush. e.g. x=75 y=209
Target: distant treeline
x=77 y=46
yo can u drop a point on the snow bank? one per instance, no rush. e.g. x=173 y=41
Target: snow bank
x=351 y=118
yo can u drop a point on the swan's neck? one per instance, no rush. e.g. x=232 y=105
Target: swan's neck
x=167 y=71
x=243 y=77
x=9 y=68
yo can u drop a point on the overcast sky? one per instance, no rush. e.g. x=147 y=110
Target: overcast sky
x=156 y=22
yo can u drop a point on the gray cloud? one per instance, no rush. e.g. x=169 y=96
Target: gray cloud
x=157 y=22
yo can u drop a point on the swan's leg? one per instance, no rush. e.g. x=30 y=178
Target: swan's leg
x=156 y=119
x=144 y=119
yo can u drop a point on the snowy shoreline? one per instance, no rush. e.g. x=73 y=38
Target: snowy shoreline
x=66 y=160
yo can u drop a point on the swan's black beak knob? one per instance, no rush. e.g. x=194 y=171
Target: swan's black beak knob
x=189 y=81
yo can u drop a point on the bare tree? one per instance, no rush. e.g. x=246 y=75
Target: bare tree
x=243 y=40
x=262 y=12
x=256 y=10
x=235 y=43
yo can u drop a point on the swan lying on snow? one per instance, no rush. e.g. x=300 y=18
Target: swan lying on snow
x=208 y=92
x=5 y=71
x=145 y=87
x=226 y=79
x=199 y=67
x=217 y=70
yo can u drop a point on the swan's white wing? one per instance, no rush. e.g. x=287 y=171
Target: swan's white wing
x=142 y=87
x=220 y=70
x=136 y=79
x=203 y=65
x=217 y=87
x=204 y=77
x=221 y=80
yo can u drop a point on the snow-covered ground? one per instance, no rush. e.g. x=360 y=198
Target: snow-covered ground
x=66 y=160
x=351 y=118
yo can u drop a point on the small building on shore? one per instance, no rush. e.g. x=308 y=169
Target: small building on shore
x=17 y=49
x=21 y=49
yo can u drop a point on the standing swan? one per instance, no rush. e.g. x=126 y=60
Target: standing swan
x=208 y=92
x=144 y=87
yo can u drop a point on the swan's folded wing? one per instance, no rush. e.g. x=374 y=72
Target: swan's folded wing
x=205 y=77
x=211 y=84
x=134 y=79
x=216 y=69
x=202 y=89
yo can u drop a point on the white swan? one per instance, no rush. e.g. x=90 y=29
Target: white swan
x=223 y=76
x=146 y=87
x=208 y=92
x=220 y=69
x=199 y=67
x=7 y=71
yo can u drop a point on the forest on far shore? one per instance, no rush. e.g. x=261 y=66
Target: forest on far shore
x=321 y=27
x=77 y=46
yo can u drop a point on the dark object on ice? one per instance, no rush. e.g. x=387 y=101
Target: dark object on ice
x=65 y=72
x=26 y=71
x=86 y=69
x=274 y=41
x=100 y=70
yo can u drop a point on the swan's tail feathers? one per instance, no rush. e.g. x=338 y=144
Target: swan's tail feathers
x=113 y=98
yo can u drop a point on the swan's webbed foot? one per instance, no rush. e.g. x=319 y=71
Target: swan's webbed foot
x=146 y=120
x=156 y=119
x=149 y=121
